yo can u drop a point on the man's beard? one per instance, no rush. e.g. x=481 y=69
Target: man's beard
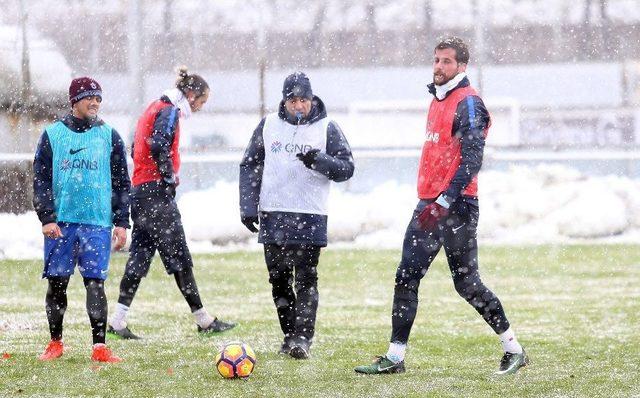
x=442 y=83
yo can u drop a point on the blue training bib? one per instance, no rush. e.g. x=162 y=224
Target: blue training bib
x=82 y=174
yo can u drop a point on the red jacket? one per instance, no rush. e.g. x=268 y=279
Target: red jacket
x=145 y=168
x=441 y=154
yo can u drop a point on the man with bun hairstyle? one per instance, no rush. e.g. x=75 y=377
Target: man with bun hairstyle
x=157 y=224
x=447 y=211
x=285 y=176
x=80 y=192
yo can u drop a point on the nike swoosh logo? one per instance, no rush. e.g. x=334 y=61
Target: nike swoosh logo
x=74 y=151
x=457 y=228
x=381 y=369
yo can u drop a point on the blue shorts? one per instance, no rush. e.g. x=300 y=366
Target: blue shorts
x=87 y=245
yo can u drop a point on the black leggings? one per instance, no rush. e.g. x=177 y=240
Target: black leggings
x=184 y=279
x=296 y=311
x=56 y=306
x=457 y=233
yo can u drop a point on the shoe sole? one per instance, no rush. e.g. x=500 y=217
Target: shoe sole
x=513 y=370
x=384 y=372
x=298 y=353
x=209 y=332
x=116 y=336
x=206 y=333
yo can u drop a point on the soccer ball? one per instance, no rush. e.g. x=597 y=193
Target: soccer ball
x=235 y=360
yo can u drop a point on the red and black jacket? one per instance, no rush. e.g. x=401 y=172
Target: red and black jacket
x=452 y=153
x=155 y=149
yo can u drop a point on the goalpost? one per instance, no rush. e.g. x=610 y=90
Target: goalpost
x=406 y=119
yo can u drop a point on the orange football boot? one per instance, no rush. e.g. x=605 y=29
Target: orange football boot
x=54 y=350
x=102 y=353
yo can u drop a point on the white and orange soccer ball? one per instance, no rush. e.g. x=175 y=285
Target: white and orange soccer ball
x=235 y=359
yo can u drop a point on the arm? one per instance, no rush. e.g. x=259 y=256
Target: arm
x=337 y=163
x=472 y=118
x=251 y=174
x=164 y=129
x=120 y=183
x=43 y=181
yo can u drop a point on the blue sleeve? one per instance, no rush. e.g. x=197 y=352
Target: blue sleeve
x=162 y=136
x=251 y=169
x=120 y=183
x=337 y=162
x=43 y=181
x=470 y=122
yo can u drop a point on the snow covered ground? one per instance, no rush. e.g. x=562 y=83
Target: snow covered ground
x=525 y=205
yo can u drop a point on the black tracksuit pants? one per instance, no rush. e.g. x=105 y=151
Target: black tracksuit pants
x=157 y=225
x=294 y=266
x=457 y=233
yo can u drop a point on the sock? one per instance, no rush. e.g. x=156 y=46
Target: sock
x=396 y=352
x=203 y=319
x=509 y=342
x=119 y=318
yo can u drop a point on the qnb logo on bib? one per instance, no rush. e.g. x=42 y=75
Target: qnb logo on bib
x=79 y=164
x=433 y=137
x=297 y=148
x=276 y=146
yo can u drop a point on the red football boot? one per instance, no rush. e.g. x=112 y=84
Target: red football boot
x=102 y=353
x=54 y=350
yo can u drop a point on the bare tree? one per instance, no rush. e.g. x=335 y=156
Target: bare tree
x=26 y=70
x=315 y=35
x=372 y=31
x=428 y=18
x=167 y=23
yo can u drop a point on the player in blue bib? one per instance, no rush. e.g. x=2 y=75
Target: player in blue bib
x=81 y=190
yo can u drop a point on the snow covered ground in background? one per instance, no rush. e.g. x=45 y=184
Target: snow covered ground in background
x=545 y=204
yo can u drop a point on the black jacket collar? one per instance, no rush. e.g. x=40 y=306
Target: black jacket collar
x=80 y=125
x=318 y=111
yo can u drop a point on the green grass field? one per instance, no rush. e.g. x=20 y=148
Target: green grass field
x=575 y=308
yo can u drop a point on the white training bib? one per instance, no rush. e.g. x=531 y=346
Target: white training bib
x=287 y=185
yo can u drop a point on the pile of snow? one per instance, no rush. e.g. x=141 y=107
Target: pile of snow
x=553 y=203
x=22 y=237
x=545 y=204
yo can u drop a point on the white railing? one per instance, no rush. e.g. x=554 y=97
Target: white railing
x=490 y=153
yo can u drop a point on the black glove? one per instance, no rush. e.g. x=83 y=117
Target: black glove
x=308 y=158
x=168 y=186
x=250 y=222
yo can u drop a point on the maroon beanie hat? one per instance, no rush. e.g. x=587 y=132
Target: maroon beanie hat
x=82 y=87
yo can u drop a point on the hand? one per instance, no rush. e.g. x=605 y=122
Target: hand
x=430 y=216
x=52 y=230
x=251 y=223
x=308 y=158
x=168 y=185
x=119 y=238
